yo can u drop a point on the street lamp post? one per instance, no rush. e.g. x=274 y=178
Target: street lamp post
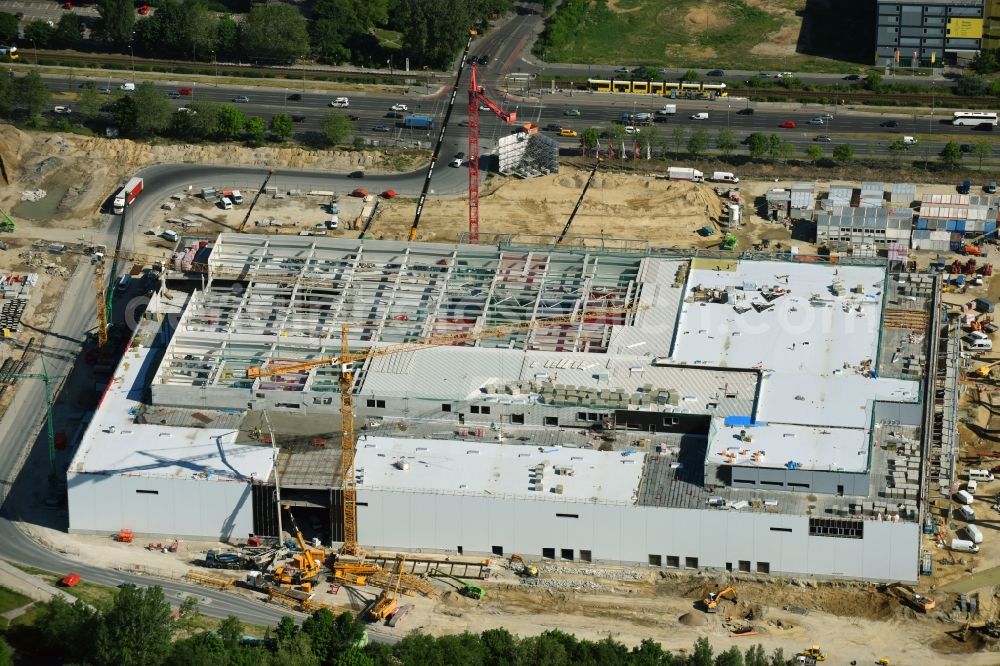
x=131 y=54
x=34 y=48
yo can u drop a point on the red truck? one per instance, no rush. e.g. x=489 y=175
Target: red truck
x=127 y=195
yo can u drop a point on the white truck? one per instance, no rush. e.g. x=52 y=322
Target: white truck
x=724 y=177
x=685 y=173
x=127 y=195
x=667 y=110
x=964 y=546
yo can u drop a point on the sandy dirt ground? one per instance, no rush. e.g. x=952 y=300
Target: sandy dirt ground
x=849 y=621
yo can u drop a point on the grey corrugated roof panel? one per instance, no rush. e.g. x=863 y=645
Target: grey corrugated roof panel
x=778 y=195
x=803 y=199
x=803 y=187
x=872 y=188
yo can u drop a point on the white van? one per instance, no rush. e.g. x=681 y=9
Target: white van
x=963 y=497
x=724 y=177
x=226 y=203
x=128 y=87
x=979 y=345
x=980 y=475
x=341 y=102
x=909 y=140
x=971 y=487
x=170 y=235
x=974 y=533
x=700 y=116
x=964 y=546
x=966 y=512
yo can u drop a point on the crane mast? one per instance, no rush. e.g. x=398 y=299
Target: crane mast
x=477 y=96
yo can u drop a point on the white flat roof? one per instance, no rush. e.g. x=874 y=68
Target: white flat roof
x=809 y=331
x=115 y=444
x=497 y=470
x=780 y=445
x=843 y=400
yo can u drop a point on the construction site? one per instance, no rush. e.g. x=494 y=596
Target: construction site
x=541 y=429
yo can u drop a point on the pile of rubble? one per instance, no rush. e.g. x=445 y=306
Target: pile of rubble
x=551 y=584
x=33 y=195
x=610 y=574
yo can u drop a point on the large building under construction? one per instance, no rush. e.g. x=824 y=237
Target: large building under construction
x=763 y=414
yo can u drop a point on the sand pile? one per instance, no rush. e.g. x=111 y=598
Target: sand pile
x=692 y=620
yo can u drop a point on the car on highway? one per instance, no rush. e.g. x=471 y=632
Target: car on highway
x=965 y=147
x=571 y=112
x=631 y=129
x=399 y=107
x=242 y=99
x=746 y=111
x=889 y=123
x=763 y=75
x=565 y=131
x=715 y=72
x=104 y=90
x=553 y=127
x=343 y=102
x=852 y=77
x=622 y=70
x=822 y=138
x=173 y=94
x=698 y=116
x=463 y=123
x=186 y=91
x=294 y=97
x=826 y=116
x=818 y=120
x=298 y=118
x=483 y=107
x=483 y=60
x=788 y=124
x=784 y=75
x=455 y=162
x=62 y=110
x=380 y=128
x=351 y=116
x=356 y=174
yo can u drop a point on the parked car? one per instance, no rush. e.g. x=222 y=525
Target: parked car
x=571 y=112
x=889 y=123
x=565 y=131
x=622 y=70
x=399 y=107
x=990 y=187
x=356 y=174
x=826 y=116
x=823 y=138
x=715 y=72
x=243 y=99
x=852 y=77
x=966 y=147
x=788 y=124
x=745 y=111
x=631 y=129
x=298 y=118
x=380 y=128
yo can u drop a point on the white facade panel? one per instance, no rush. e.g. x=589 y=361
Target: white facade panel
x=189 y=508
x=630 y=534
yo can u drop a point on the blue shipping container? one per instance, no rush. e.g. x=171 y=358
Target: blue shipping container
x=990 y=226
x=960 y=226
x=922 y=223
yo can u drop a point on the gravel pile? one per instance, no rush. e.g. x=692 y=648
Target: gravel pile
x=610 y=574
x=550 y=584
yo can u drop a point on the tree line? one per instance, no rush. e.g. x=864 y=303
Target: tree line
x=139 y=628
x=338 y=31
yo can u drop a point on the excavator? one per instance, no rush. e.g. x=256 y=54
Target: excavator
x=984 y=371
x=712 y=601
x=522 y=568
x=910 y=597
x=465 y=589
x=304 y=567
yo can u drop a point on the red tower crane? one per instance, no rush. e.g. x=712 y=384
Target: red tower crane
x=477 y=96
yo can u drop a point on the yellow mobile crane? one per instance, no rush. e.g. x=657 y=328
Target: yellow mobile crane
x=304 y=566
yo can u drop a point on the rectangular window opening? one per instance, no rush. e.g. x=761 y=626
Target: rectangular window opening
x=673 y=561
x=549 y=553
x=690 y=562
x=655 y=561
x=361 y=504
x=517 y=419
x=782 y=529
x=585 y=556
x=567 y=554
x=552 y=421
x=567 y=515
x=445 y=406
x=498 y=550
x=763 y=567
x=744 y=566
x=148 y=492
